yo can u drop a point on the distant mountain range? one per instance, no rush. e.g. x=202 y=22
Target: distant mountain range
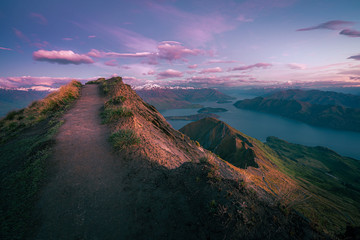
x=170 y=98
x=325 y=109
x=16 y=99
x=318 y=97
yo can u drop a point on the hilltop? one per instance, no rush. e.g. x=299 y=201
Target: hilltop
x=147 y=181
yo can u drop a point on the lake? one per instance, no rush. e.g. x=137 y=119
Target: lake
x=261 y=125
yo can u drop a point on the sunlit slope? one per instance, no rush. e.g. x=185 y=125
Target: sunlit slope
x=316 y=181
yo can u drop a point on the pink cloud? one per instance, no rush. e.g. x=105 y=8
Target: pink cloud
x=92 y=36
x=95 y=53
x=6 y=49
x=330 y=25
x=351 y=72
x=355 y=57
x=248 y=67
x=174 y=51
x=61 y=57
x=191 y=72
x=39 y=18
x=151 y=72
x=193 y=66
x=111 y=63
x=296 y=66
x=242 y=18
x=350 y=33
x=211 y=70
x=42 y=44
x=168 y=50
x=220 y=61
x=67 y=39
x=21 y=35
x=131 y=55
x=169 y=73
x=130 y=39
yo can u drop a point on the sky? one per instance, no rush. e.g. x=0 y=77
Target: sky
x=198 y=43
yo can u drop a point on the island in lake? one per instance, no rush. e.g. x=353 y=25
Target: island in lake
x=195 y=117
x=211 y=110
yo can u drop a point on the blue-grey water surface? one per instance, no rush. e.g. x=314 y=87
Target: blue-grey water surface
x=261 y=125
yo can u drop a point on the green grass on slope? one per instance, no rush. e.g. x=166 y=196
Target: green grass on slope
x=26 y=138
x=333 y=180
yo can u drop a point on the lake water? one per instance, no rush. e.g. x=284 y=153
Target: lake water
x=261 y=125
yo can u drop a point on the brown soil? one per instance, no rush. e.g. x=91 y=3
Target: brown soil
x=83 y=199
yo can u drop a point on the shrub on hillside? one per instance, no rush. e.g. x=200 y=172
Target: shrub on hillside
x=112 y=114
x=123 y=138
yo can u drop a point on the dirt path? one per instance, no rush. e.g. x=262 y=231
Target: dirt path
x=84 y=198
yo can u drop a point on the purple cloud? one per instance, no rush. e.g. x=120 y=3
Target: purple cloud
x=130 y=39
x=257 y=65
x=21 y=35
x=242 y=18
x=296 y=66
x=220 y=61
x=111 y=63
x=331 y=25
x=351 y=72
x=61 y=57
x=211 y=70
x=4 y=48
x=40 y=18
x=169 y=73
x=130 y=55
x=355 y=57
x=350 y=33
x=167 y=50
x=171 y=50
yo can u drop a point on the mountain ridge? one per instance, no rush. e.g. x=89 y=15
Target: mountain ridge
x=160 y=184
x=316 y=181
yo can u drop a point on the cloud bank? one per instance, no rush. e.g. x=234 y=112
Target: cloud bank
x=61 y=57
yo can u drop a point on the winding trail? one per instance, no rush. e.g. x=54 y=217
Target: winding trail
x=84 y=197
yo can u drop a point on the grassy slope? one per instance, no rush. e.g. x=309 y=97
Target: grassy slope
x=332 y=180
x=26 y=137
x=316 y=181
